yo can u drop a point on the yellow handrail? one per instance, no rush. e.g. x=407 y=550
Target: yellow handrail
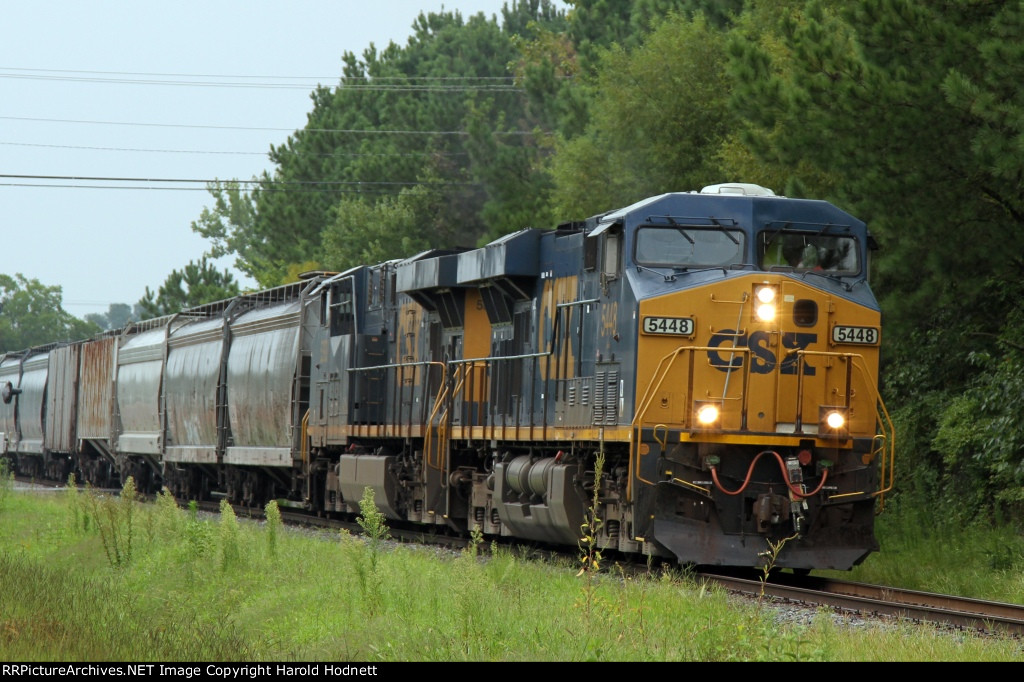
x=657 y=378
x=883 y=420
x=442 y=394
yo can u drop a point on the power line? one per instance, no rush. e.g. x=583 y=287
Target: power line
x=344 y=186
x=131 y=149
x=202 y=151
x=372 y=87
x=221 y=75
x=213 y=127
x=265 y=190
x=292 y=130
x=55 y=186
x=241 y=182
x=373 y=83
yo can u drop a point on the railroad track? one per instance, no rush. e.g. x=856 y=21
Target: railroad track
x=31 y=483
x=878 y=600
x=416 y=534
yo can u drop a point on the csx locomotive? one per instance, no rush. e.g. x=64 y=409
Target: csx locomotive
x=696 y=370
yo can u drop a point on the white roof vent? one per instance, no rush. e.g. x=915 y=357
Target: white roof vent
x=740 y=188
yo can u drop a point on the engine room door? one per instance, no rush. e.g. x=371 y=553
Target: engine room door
x=453 y=352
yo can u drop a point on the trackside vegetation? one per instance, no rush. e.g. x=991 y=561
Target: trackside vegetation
x=181 y=586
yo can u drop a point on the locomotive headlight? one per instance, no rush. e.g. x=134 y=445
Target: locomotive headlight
x=707 y=414
x=766 y=312
x=765 y=294
x=765 y=306
x=833 y=421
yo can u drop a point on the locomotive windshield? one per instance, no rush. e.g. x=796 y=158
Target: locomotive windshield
x=808 y=251
x=686 y=246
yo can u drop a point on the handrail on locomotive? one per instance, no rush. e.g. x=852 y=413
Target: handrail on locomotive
x=884 y=440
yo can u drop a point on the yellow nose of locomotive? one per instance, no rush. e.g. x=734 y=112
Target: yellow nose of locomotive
x=765 y=354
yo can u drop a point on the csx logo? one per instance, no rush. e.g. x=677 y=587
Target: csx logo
x=762 y=358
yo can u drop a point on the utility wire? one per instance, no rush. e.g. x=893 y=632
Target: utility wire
x=371 y=87
x=202 y=151
x=373 y=83
x=298 y=186
x=221 y=75
x=264 y=190
x=241 y=182
x=292 y=130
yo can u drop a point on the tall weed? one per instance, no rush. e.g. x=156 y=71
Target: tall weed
x=366 y=561
x=77 y=505
x=229 y=542
x=169 y=520
x=273 y=515
x=6 y=481
x=199 y=536
x=590 y=554
x=114 y=518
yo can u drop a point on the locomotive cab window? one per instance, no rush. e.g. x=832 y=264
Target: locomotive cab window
x=376 y=289
x=612 y=254
x=340 y=310
x=686 y=246
x=805 y=251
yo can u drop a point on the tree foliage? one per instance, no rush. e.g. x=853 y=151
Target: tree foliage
x=596 y=25
x=400 y=118
x=32 y=314
x=908 y=115
x=977 y=440
x=870 y=95
x=659 y=118
x=117 y=316
x=364 y=233
x=229 y=226
x=198 y=283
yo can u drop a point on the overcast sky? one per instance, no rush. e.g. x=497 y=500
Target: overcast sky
x=86 y=92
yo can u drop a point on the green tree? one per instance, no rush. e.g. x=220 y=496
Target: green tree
x=596 y=25
x=117 y=316
x=547 y=68
x=659 y=120
x=196 y=284
x=32 y=314
x=857 y=91
x=908 y=115
x=975 y=439
x=398 y=119
x=364 y=233
x=990 y=97
x=229 y=226
x=515 y=174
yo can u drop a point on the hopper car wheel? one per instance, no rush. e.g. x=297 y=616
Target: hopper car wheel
x=253 y=490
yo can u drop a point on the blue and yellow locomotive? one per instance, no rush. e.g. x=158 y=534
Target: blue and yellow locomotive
x=717 y=349
x=698 y=370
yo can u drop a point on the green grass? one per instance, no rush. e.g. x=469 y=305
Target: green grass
x=922 y=551
x=226 y=589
